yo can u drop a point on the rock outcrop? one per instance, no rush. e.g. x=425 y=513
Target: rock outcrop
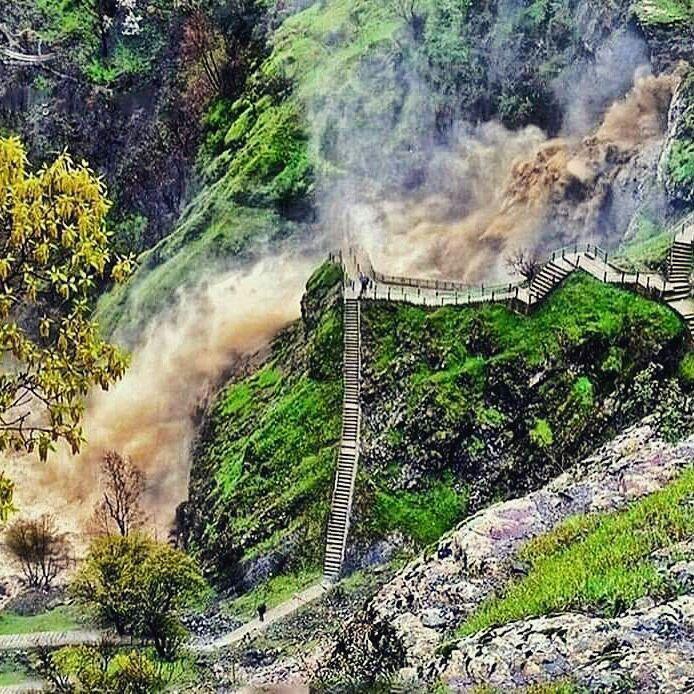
x=434 y=594
x=647 y=650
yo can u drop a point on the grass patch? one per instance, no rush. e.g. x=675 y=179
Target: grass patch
x=63 y=618
x=458 y=387
x=646 y=252
x=9 y=678
x=595 y=562
x=422 y=516
x=273 y=592
x=665 y=11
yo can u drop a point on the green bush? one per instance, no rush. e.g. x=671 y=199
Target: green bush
x=686 y=370
x=681 y=162
x=105 y=669
x=140 y=587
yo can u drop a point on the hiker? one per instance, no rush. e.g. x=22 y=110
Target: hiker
x=262 y=609
x=364 y=280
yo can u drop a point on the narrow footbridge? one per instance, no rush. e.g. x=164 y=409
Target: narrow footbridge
x=673 y=288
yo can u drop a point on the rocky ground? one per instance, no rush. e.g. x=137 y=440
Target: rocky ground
x=414 y=614
x=289 y=649
x=651 y=648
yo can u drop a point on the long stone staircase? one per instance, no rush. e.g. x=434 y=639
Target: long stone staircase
x=343 y=492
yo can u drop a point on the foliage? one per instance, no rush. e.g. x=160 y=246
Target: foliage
x=6 y=498
x=212 y=230
x=422 y=516
x=664 y=12
x=38 y=547
x=110 y=39
x=599 y=561
x=686 y=370
x=103 y=668
x=501 y=402
x=54 y=250
x=140 y=587
x=541 y=434
x=680 y=162
x=648 y=251
x=323 y=280
x=122 y=484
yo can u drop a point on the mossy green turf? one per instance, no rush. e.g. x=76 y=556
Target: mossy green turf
x=581 y=308
x=421 y=516
x=680 y=165
x=267 y=456
x=450 y=389
x=58 y=619
x=596 y=562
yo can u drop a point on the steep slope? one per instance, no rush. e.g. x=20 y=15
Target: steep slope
x=265 y=455
x=595 y=541
x=342 y=80
x=460 y=405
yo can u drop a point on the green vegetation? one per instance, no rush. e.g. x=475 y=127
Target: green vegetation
x=421 y=516
x=681 y=162
x=665 y=12
x=203 y=240
x=647 y=251
x=680 y=165
x=58 y=619
x=265 y=464
x=686 y=370
x=140 y=587
x=111 y=670
x=130 y=54
x=8 y=678
x=488 y=400
x=597 y=562
x=562 y=686
x=275 y=591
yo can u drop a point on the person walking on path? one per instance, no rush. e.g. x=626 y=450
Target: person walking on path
x=262 y=609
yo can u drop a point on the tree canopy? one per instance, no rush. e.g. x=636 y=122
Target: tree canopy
x=140 y=587
x=54 y=250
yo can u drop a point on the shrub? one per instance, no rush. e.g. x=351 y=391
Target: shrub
x=103 y=669
x=140 y=587
x=119 y=509
x=39 y=548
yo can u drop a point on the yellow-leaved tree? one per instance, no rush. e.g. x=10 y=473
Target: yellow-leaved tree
x=54 y=249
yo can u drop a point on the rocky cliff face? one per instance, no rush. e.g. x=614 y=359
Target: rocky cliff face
x=413 y=616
